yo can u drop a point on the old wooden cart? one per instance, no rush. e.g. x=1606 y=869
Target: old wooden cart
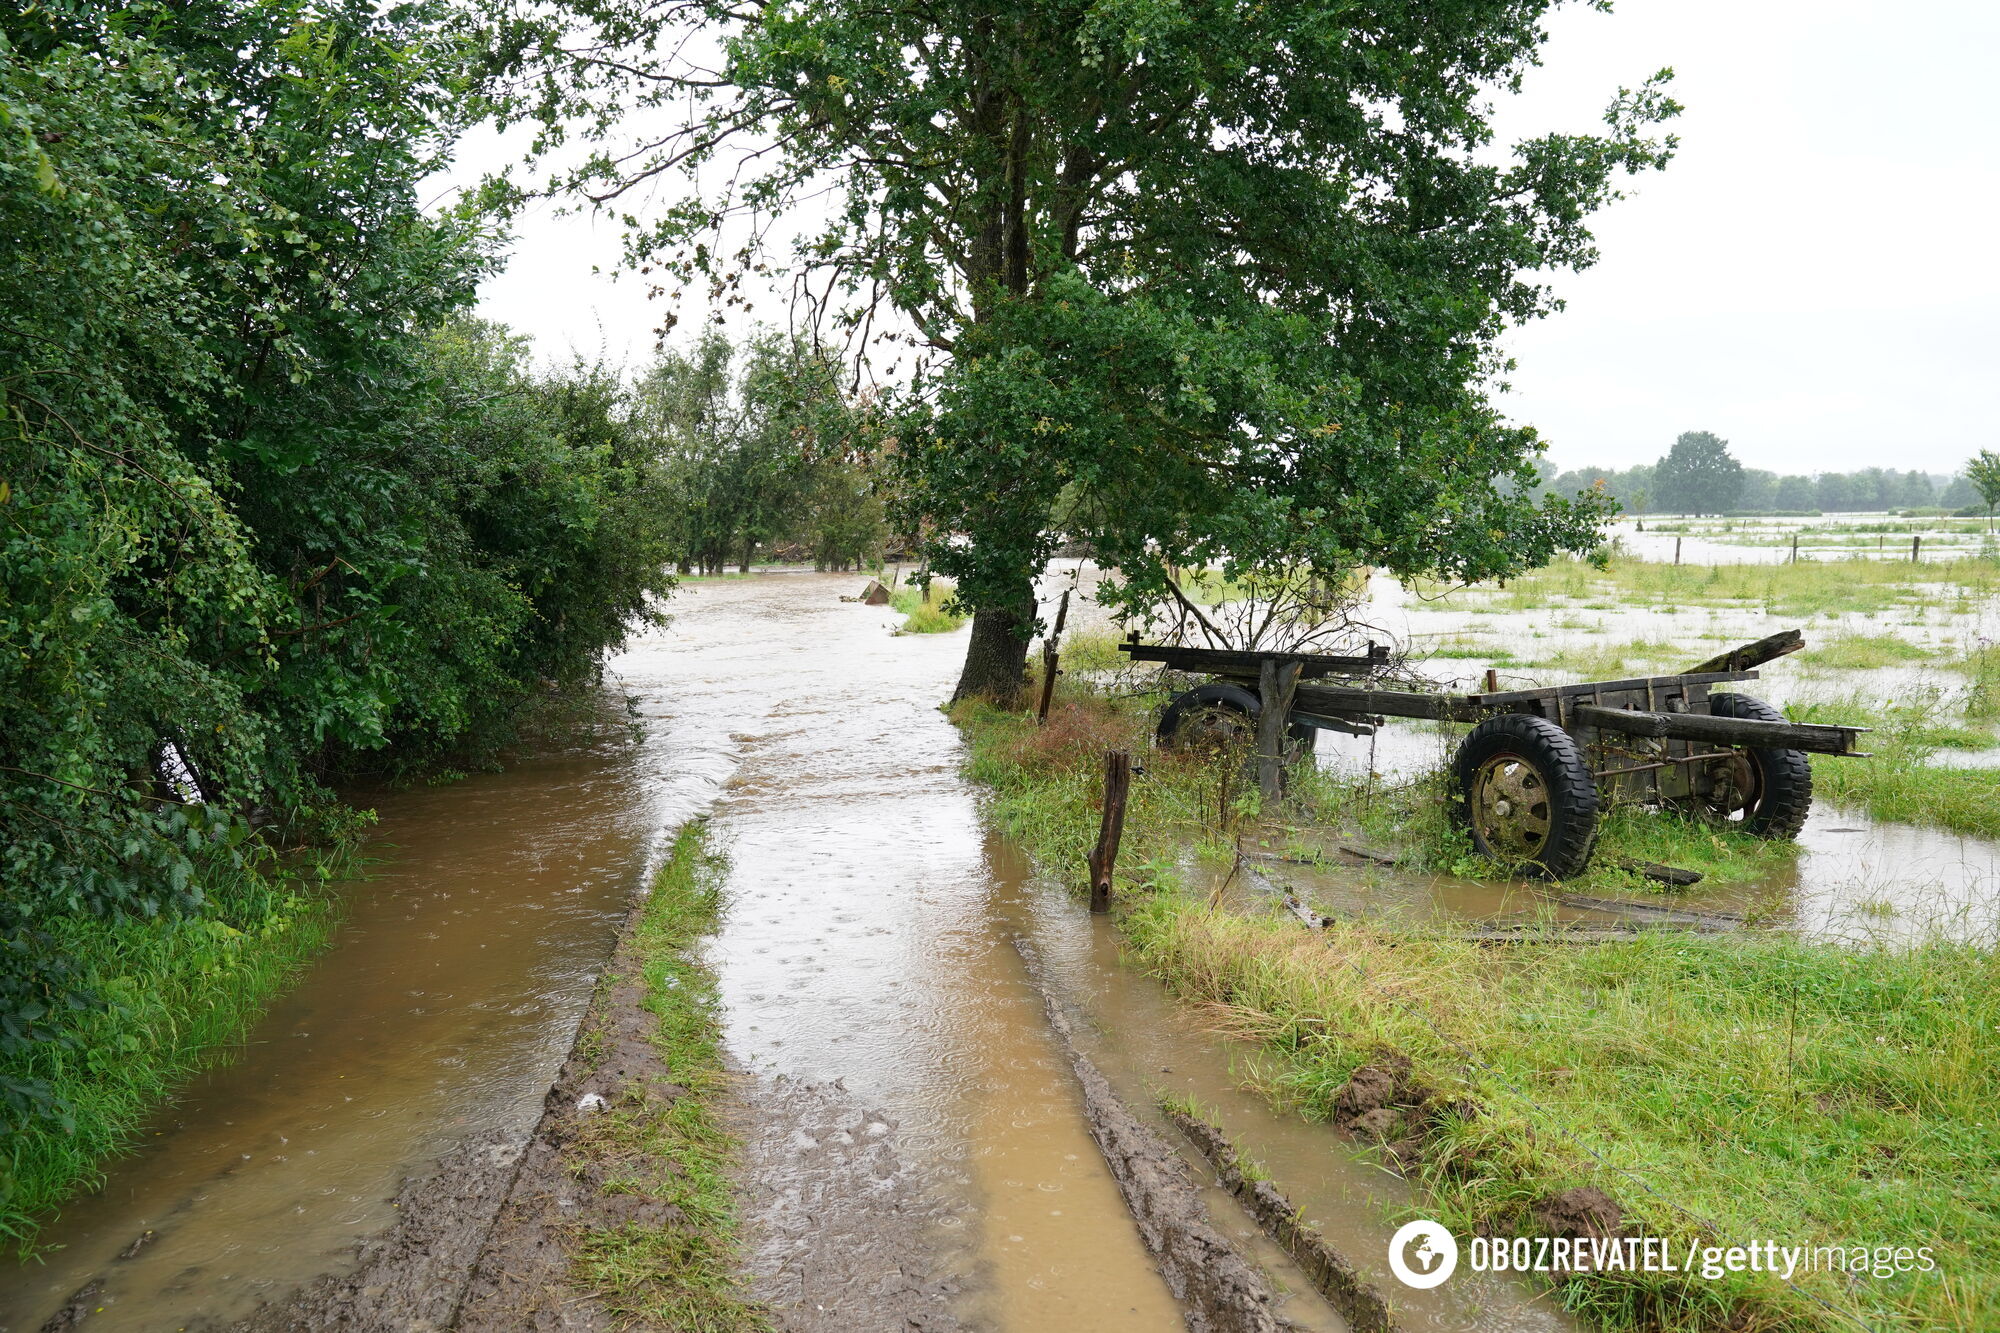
x=1538 y=765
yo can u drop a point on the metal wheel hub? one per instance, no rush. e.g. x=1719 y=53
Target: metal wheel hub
x=1214 y=727
x=1735 y=787
x=1510 y=807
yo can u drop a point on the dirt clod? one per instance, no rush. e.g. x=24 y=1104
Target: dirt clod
x=1585 y=1211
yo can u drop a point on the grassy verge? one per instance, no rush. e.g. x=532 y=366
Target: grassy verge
x=682 y=1273
x=1722 y=1091
x=172 y=995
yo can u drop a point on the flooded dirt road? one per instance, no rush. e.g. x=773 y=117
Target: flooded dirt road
x=917 y=1151
x=434 y=1021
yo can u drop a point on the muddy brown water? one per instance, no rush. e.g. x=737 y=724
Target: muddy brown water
x=437 y=1018
x=916 y=1154
x=915 y=1148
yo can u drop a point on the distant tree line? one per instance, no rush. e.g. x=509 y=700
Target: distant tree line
x=1699 y=475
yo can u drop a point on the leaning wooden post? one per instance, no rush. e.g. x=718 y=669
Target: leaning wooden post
x=1276 y=683
x=1051 y=646
x=1110 y=828
x=1677 y=550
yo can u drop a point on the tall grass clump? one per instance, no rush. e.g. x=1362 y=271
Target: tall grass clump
x=926 y=617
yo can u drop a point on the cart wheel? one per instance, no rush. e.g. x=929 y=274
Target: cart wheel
x=1526 y=795
x=1219 y=716
x=1765 y=793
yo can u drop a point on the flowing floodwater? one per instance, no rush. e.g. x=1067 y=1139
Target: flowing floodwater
x=916 y=1151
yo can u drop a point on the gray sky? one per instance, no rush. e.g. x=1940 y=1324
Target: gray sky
x=1814 y=278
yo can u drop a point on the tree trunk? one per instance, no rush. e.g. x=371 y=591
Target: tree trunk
x=996 y=656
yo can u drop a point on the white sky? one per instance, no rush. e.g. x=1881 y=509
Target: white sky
x=1816 y=277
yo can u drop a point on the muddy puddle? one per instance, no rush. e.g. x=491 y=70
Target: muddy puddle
x=1151 y=1047
x=871 y=1001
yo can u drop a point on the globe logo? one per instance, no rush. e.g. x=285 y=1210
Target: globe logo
x=1422 y=1254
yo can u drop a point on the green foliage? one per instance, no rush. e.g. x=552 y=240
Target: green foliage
x=1698 y=475
x=271 y=513
x=926 y=612
x=681 y=1272
x=775 y=452
x=1192 y=282
x=1983 y=471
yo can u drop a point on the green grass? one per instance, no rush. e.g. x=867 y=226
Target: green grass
x=1466 y=647
x=1899 y=781
x=1864 y=652
x=923 y=617
x=1771 y=1088
x=682 y=1273
x=1775 y=1089
x=1613 y=661
x=178 y=992
x=1981 y=667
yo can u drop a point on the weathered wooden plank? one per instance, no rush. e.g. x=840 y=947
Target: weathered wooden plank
x=1812 y=736
x=1228 y=662
x=1590 y=687
x=1338 y=699
x=1753 y=654
x=1660 y=874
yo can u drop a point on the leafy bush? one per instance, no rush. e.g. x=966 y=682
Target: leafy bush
x=271 y=512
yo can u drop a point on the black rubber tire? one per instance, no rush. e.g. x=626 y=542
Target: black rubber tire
x=1299 y=738
x=1565 y=778
x=1785 y=785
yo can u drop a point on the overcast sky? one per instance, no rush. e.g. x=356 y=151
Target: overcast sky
x=1816 y=277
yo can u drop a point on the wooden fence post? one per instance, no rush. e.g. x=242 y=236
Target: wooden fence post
x=1677 y=550
x=1276 y=683
x=1110 y=828
x=1795 y=548
x=1051 y=646
x=1916 y=545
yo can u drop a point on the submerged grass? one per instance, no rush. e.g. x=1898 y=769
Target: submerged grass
x=1864 y=652
x=680 y=1274
x=1722 y=1090
x=1900 y=779
x=176 y=993
x=1808 y=588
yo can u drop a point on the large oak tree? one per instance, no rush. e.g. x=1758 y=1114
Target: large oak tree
x=1195 y=281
